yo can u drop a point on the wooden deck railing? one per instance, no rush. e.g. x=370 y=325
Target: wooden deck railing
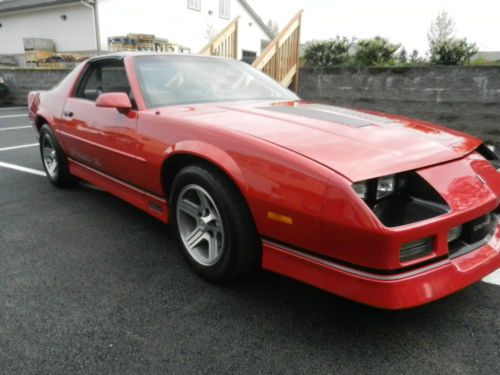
x=225 y=44
x=280 y=60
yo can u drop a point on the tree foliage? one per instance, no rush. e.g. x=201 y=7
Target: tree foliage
x=327 y=53
x=445 y=47
x=402 y=56
x=376 y=51
x=442 y=28
x=273 y=27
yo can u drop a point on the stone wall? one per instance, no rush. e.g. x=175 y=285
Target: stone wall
x=21 y=81
x=465 y=98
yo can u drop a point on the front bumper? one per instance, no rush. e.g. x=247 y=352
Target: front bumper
x=396 y=291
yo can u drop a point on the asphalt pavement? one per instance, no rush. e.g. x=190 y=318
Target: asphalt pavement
x=91 y=285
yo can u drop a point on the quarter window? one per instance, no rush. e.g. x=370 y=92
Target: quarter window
x=224 y=9
x=194 y=4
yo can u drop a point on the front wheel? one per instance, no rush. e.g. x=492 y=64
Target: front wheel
x=54 y=160
x=213 y=224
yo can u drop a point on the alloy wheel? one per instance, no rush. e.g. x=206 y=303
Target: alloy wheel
x=200 y=225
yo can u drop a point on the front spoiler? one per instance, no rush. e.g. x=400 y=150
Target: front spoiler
x=399 y=291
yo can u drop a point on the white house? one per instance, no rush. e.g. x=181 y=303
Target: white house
x=85 y=25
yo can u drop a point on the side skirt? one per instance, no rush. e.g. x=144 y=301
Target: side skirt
x=152 y=204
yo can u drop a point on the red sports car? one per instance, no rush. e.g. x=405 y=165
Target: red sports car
x=384 y=210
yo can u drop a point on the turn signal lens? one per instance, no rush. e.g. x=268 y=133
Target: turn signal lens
x=416 y=249
x=454 y=233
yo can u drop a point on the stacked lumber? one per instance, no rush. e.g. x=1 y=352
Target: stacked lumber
x=163 y=45
x=37 y=49
x=122 y=43
x=62 y=61
x=143 y=42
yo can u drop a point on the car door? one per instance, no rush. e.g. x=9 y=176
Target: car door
x=102 y=138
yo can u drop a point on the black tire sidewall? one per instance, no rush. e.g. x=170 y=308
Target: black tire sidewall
x=62 y=177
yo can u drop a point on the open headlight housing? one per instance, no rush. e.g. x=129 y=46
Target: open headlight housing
x=400 y=199
x=374 y=190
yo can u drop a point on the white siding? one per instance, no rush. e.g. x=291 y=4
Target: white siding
x=173 y=20
x=74 y=34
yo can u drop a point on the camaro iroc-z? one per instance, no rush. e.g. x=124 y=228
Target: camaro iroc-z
x=384 y=210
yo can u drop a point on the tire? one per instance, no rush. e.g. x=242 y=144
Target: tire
x=54 y=160
x=213 y=224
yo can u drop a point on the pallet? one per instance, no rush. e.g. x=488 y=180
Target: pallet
x=37 y=55
x=57 y=65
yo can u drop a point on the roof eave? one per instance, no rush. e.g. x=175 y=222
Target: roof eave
x=257 y=19
x=18 y=6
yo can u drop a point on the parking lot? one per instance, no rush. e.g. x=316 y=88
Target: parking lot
x=89 y=284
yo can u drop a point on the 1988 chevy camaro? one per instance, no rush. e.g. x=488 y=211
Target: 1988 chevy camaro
x=384 y=210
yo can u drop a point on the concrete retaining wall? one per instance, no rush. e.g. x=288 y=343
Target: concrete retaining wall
x=21 y=81
x=465 y=98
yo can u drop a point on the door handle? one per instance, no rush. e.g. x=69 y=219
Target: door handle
x=67 y=114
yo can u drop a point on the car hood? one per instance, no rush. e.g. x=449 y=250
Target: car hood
x=356 y=144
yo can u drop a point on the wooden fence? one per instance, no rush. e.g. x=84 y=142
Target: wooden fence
x=225 y=44
x=280 y=60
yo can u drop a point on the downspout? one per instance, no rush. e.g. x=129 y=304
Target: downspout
x=92 y=4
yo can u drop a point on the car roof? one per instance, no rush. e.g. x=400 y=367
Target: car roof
x=122 y=55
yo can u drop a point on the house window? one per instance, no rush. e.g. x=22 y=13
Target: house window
x=224 y=9
x=248 y=56
x=194 y=4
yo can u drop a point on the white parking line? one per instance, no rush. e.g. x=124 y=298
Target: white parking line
x=12 y=108
x=21 y=169
x=16 y=127
x=493 y=278
x=13 y=116
x=20 y=146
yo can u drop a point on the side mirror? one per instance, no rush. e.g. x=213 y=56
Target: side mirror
x=118 y=100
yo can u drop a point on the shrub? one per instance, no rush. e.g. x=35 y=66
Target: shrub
x=376 y=51
x=327 y=53
x=452 y=52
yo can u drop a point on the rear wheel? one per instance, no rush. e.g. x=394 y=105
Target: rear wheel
x=213 y=224
x=54 y=160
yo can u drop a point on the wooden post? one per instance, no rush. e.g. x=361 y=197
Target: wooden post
x=222 y=44
x=297 y=60
x=235 y=37
x=281 y=59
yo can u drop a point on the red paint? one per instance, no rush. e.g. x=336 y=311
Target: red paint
x=116 y=100
x=298 y=167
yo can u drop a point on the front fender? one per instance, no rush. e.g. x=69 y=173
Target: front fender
x=212 y=154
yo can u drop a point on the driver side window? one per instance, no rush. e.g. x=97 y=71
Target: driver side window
x=102 y=77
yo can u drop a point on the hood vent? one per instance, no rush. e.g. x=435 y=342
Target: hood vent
x=330 y=113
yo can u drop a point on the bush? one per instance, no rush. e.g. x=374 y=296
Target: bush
x=376 y=51
x=452 y=52
x=327 y=53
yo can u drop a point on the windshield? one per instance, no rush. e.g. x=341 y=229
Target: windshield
x=170 y=80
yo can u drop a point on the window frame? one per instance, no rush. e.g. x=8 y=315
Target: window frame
x=94 y=65
x=191 y=4
x=222 y=5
